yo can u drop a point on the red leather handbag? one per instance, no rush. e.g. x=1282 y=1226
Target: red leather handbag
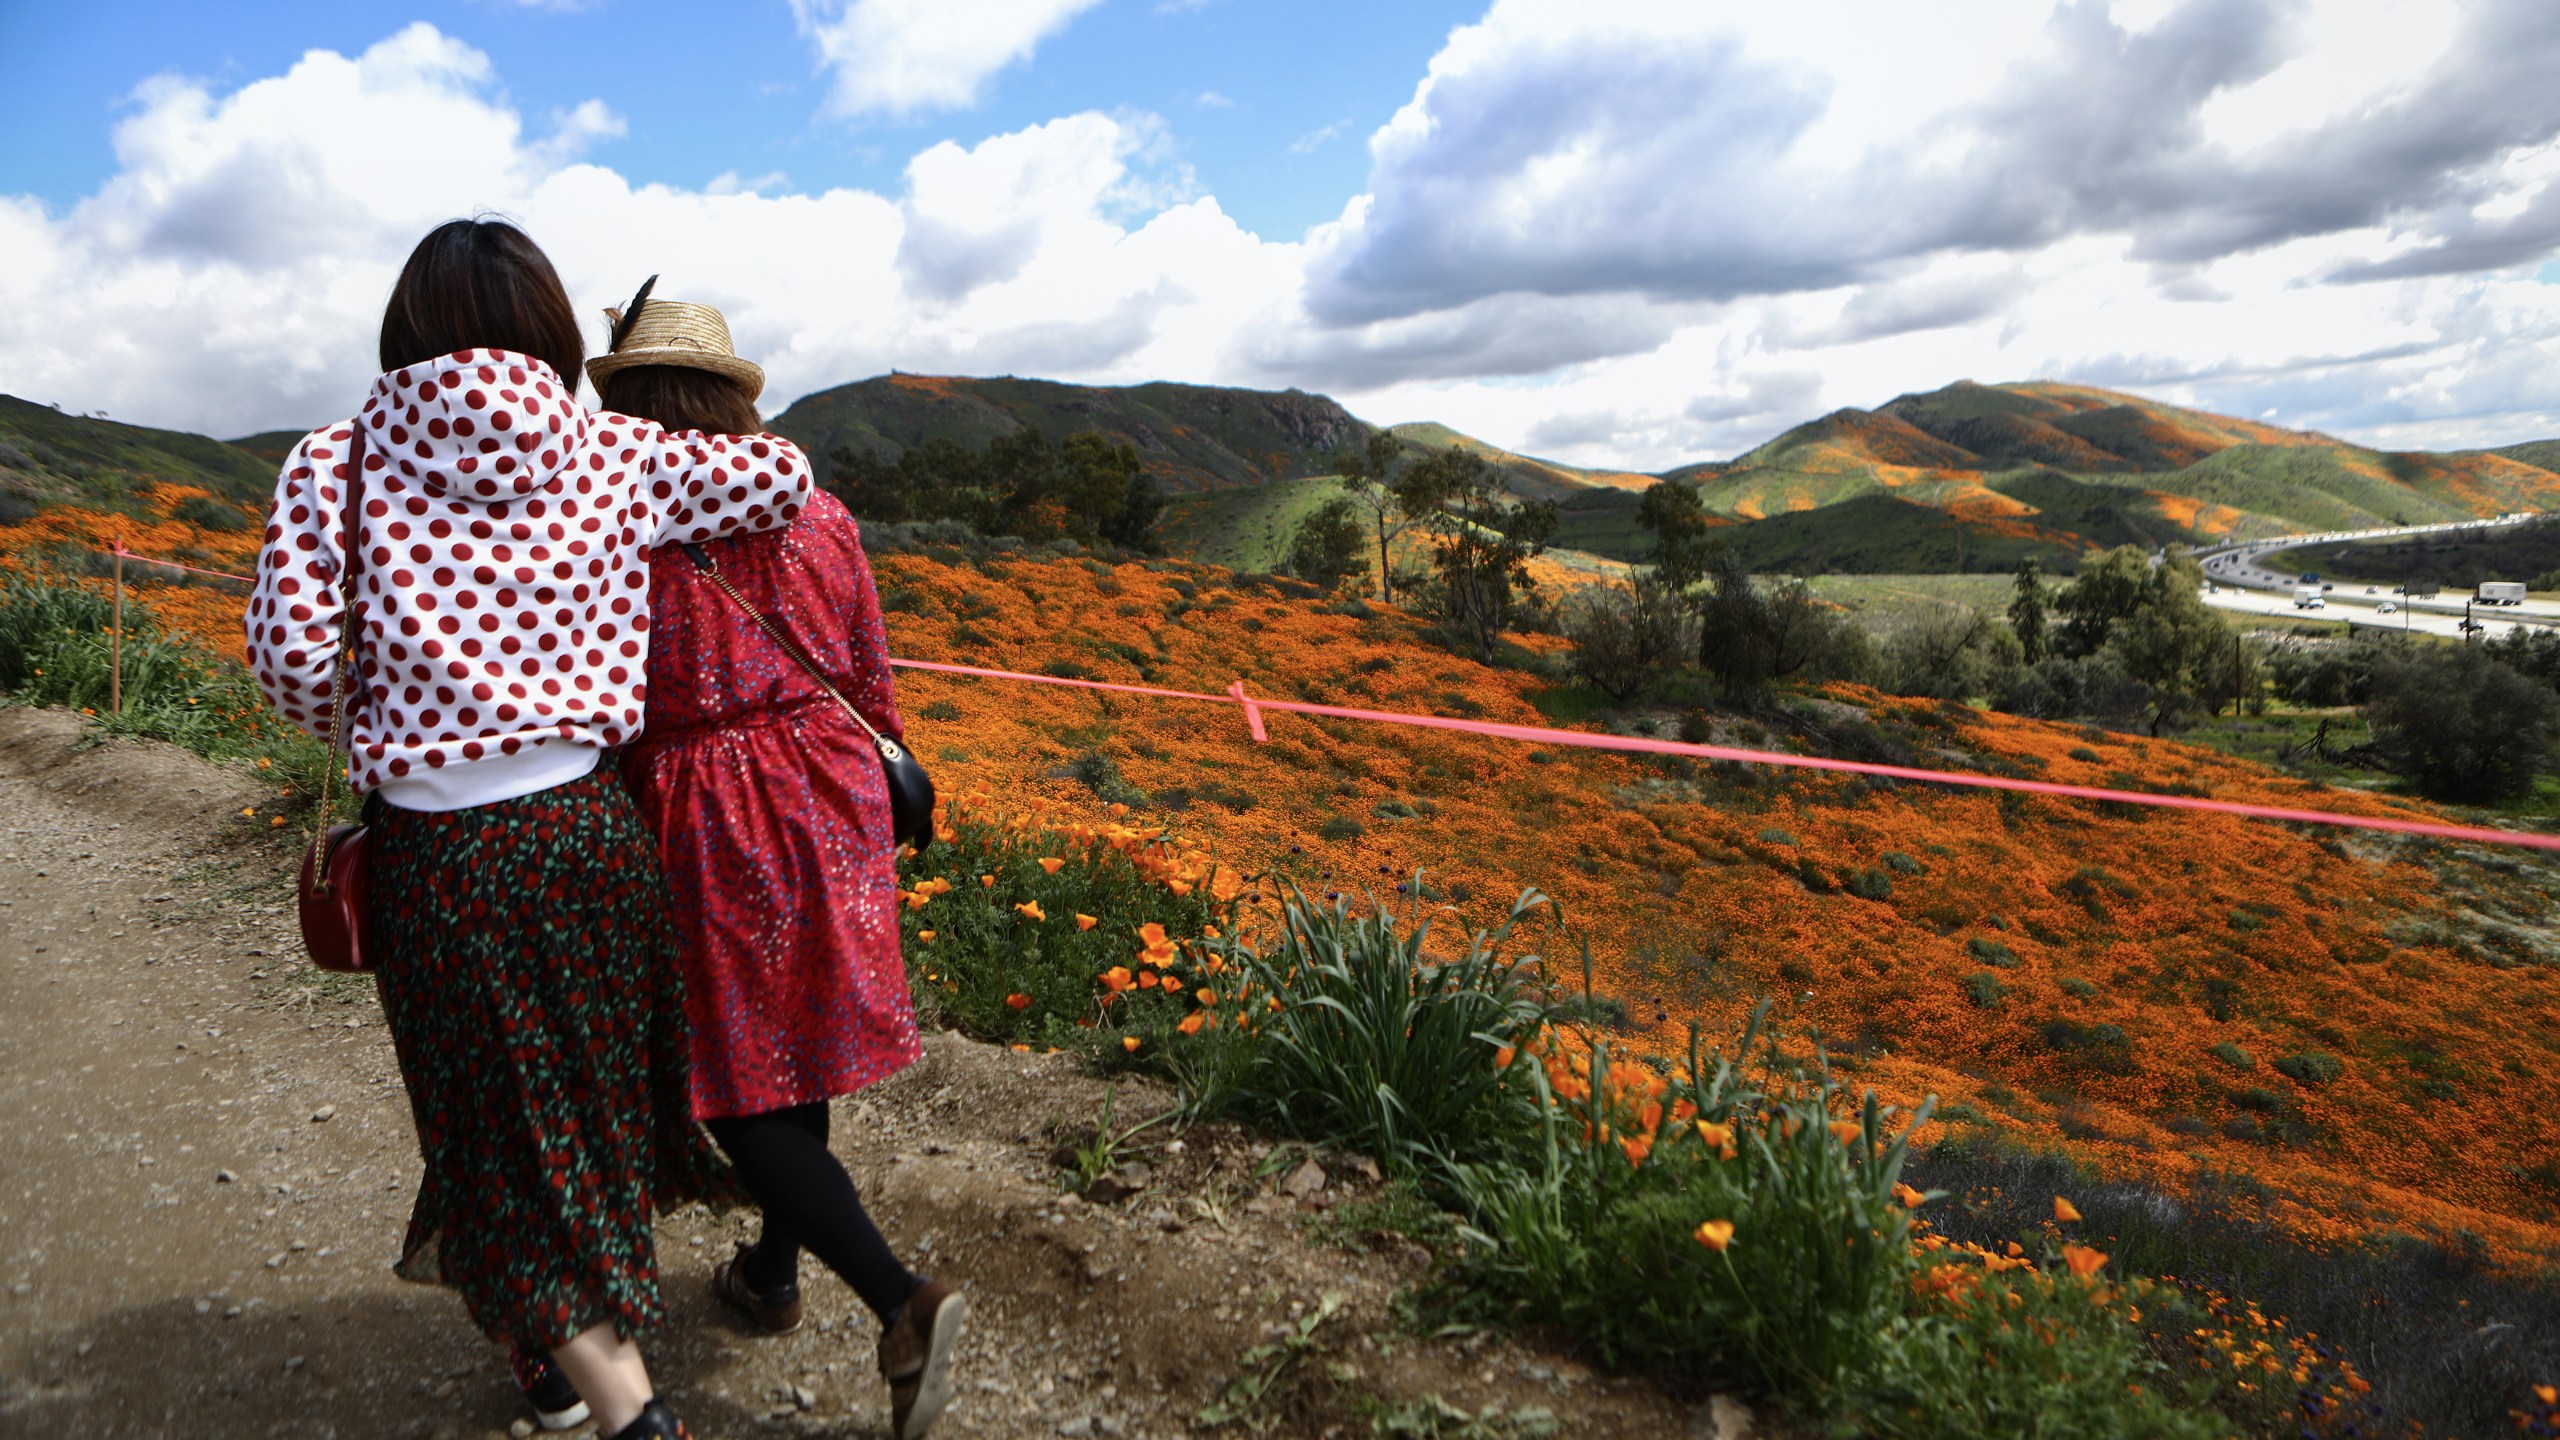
x=335 y=921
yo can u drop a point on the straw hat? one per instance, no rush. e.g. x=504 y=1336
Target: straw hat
x=676 y=332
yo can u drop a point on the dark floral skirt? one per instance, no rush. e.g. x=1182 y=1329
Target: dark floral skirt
x=527 y=972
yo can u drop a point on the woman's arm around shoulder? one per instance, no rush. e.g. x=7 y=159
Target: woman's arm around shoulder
x=292 y=625
x=696 y=487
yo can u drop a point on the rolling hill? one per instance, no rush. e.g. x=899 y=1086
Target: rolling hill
x=1979 y=475
x=48 y=457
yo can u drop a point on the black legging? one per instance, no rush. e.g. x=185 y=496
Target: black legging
x=808 y=1201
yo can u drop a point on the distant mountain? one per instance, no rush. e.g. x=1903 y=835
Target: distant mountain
x=1981 y=474
x=49 y=457
x=1190 y=437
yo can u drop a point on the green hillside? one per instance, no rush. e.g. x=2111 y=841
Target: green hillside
x=48 y=457
x=1191 y=438
x=1245 y=528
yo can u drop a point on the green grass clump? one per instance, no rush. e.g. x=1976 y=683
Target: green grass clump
x=57 y=649
x=1991 y=952
x=2311 y=1067
x=2233 y=1056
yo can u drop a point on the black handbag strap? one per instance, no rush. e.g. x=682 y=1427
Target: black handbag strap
x=890 y=750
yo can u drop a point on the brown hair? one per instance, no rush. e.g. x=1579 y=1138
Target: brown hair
x=481 y=285
x=681 y=397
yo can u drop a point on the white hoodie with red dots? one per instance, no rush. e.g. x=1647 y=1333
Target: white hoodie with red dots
x=505 y=585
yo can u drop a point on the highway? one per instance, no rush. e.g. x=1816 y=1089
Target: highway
x=2239 y=580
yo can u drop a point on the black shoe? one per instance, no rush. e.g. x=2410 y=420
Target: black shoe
x=655 y=1422
x=546 y=1388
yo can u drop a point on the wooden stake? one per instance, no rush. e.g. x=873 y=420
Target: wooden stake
x=115 y=643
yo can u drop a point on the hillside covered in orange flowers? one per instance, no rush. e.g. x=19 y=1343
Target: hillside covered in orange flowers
x=2361 y=1025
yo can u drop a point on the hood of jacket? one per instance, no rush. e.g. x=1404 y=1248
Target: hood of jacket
x=484 y=426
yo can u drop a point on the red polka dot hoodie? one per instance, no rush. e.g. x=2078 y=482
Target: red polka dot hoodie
x=505 y=585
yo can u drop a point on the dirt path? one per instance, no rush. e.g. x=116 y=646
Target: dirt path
x=208 y=1163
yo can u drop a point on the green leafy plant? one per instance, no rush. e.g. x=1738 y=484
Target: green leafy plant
x=1262 y=1369
x=1375 y=1045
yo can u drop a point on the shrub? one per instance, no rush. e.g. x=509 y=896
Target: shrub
x=1991 y=952
x=1627 y=638
x=2461 y=725
x=1871 y=885
x=2258 y=1098
x=2233 y=1056
x=1341 y=827
x=2077 y=988
x=941 y=710
x=1901 y=864
x=1984 y=989
x=2310 y=1067
x=1776 y=836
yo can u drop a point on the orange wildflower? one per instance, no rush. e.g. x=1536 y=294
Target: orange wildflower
x=2064 y=1210
x=1847 y=1132
x=1051 y=864
x=1129 y=1043
x=1152 y=935
x=1030 y=910
x=927 y=935
x=1911 y=1199
x=1191 y=1023
x=2084 y=1262
x=1147 y=979
x=1719 y=1138
x=1018 y=1000
x=1085 y=922
x=1116 y=979
x=989 y=881
x=1714 y=1234
x=1206 y=996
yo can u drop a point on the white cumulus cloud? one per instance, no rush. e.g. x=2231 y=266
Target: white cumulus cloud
x=896 y=57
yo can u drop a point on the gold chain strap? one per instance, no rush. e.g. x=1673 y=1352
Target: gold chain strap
x=711 y=567
x=343 y=670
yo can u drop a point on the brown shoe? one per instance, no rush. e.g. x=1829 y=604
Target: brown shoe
x=775 y=1312
x=915 y=1357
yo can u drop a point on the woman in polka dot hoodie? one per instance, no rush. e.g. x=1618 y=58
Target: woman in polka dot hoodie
x=521 y=946
x=506 y=594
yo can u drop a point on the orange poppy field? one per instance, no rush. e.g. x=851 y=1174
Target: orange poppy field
x=2164 y=995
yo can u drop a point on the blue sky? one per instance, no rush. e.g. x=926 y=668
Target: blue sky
x=1292 y=89
x=1630 y=233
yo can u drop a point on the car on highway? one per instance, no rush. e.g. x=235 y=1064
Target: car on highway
x=2386 y=608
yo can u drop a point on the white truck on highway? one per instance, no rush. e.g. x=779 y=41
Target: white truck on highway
x=2499 y=592
x=2307 y=597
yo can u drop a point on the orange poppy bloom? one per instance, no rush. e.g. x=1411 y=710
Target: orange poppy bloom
x=1911 y=1199
x=1018 y=1000
x=1637 y=1148
x=1206 y=996
x=1030 y=910
x=1847 y=1132
x=926 y=935
x=1085 y=922
x=1152 y=935
x=1129 y=1043
x=1147 y=979
x=2064 y=1210
x=1116 y=979
x=2084 y=1262
x=1715 y=1234
x=1719 y=1138
x=1172 y=986
x=1191 y=1023
x=989 y=881
x=1051 y=864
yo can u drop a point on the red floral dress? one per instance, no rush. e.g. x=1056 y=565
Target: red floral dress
x=772 y=817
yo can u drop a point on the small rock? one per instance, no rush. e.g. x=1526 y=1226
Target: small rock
x=1360 y=1168
x=225 y=1177
x=520 y=1428
x=203 y=1306
x=276 y=1261
x=1304 y=1181
x=1109 y=1426
x=323 y=1115
x=1080 y=1425
x=292 y=1363
x=804 y=1397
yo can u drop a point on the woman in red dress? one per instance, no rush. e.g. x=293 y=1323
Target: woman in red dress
x=774 y=828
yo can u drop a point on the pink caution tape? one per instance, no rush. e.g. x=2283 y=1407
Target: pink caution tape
x=1639 y=745
x=1254 y=706
x=190 y=569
